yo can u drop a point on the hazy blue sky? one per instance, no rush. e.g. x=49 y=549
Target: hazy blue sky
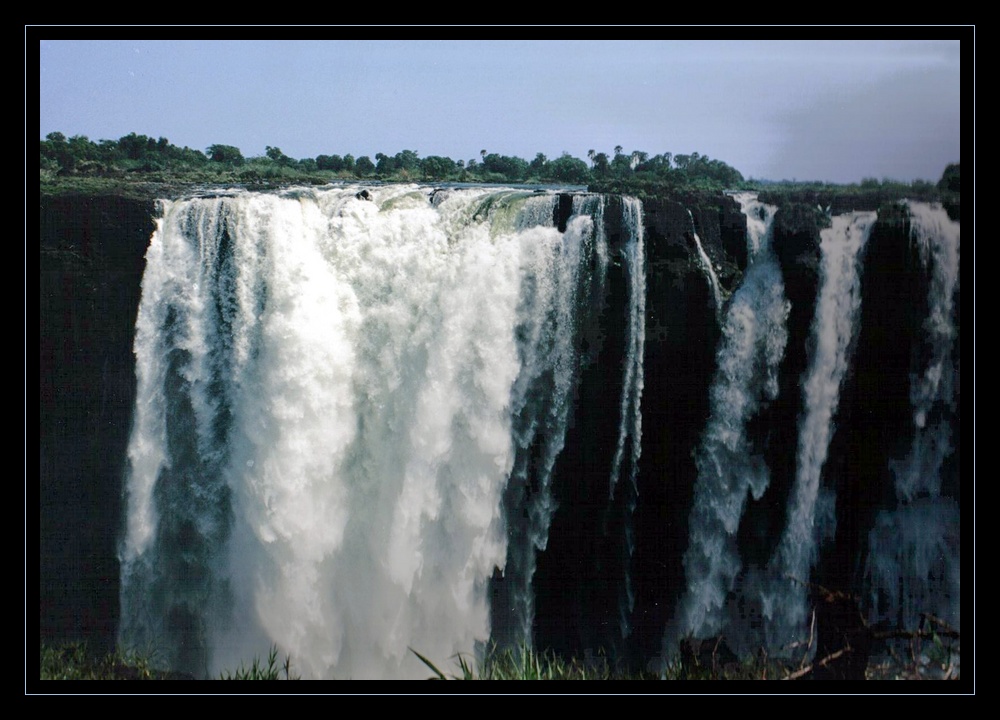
x=827 y=110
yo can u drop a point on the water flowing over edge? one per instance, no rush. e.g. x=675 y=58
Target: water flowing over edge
x=811 y=516
x=299 y=348
x=706 y=265
x=753 y=341
x=914 y=553
x=542 y=404
x=334 y=389
x=630 y=424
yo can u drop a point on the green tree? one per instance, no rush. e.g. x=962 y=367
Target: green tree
x=602 y=168
x=55 y=153
x=225 y=154
x=569 y=169
x=363 y=166
x=277 y=156
x=538 y=166
x=437 y=168
x=82 y=148
x=621 y=164
x=951 y=180
x=385 y=165
x=134 y=146
x=334 y=163
x=513 y=169
x=407 y=160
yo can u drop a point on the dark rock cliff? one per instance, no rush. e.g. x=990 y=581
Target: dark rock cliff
x=682 y=333
x=796 y=243
x=91 y=263
x=90 y=268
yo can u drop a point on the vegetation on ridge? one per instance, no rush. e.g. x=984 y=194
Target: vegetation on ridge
x=137 y=164
x=148 y=159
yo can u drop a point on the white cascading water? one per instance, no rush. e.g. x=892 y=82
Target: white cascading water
x=630 y=423
x=936 y=237
x=914 y=549
x=754 y=334
x=630 y=427
x=810 y=510
x=706 y=264
x=560 y=291
x=332 y=394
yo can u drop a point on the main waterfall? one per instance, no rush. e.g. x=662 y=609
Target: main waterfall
x=375 y=418
x=336 y=388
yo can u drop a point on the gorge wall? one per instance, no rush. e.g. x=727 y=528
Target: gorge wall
x=91 y=264
x=608 y=422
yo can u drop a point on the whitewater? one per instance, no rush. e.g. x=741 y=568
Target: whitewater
x=335 y=389
x=352 y=402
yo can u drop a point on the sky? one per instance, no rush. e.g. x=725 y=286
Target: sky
x=837 y=111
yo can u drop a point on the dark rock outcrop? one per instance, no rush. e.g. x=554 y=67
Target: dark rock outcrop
x=873 y=418
x=774 y=430
x=92 y=258
x=682 y=334
x=91 y=262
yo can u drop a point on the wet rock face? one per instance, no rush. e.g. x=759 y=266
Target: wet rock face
x=92 y=259
x=682 y=333
x=91 y=264
x=873 y=420
x=577 y=593
x=774 y=430
x=796 y=243
x=720 y=225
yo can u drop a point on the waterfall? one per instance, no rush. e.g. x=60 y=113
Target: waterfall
x=932 y=388
x=369 y=419
x=559 y=294
x=753 y=341
x=349 y=406
x=914 y=549
x=630 y=424
x=713 y=279
x=811 y=510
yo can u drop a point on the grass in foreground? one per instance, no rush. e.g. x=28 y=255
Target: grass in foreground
x=72 y=661
x=527 y=664
x=263 y=670
x=936 y=659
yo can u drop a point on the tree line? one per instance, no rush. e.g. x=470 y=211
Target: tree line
x=158 y=159
x=635 y=173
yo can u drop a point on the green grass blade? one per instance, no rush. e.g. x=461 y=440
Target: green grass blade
x=428 y=663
